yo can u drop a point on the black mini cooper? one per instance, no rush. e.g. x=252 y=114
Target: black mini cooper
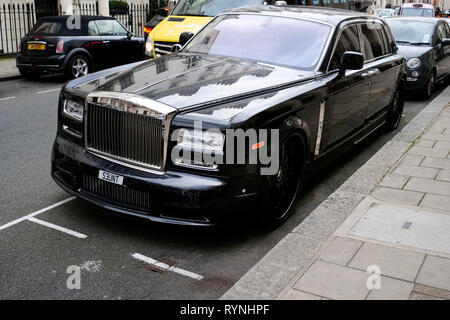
x=76 y=46
x=232 y=125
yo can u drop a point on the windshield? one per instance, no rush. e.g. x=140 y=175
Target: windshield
x=383 y=12
x=409 y=31
x=417 y=12
x=209 y=7
x=272 y=40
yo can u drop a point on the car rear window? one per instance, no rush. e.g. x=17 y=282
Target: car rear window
x=46 y=27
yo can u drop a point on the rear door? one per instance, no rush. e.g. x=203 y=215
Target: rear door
x=383 y=69
x=350 y=92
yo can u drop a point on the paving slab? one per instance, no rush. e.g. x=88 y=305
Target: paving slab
x=428 y=186
x=435 y=273
x=434 y=201
x=436 y=163
x=334 y=281
x=417 y=228
x=391 y=289
x=412 y=160
x=429 y=152
x=394 y=181
x=416 y=171
x=443 y=175
x=393 y=262
x=430 y=291
x=341 y=250
x=300 y=295
x=398 y=196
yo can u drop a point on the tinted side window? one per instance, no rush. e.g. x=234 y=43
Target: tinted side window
x=373 y=41
x=348 y=41
x=92 y=29
x=47 y=27
x=440 y=32
x=110 y=28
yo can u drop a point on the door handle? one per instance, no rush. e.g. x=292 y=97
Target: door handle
x=370 y=73
x=106 y=41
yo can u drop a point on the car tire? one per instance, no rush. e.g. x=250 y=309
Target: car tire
x=395 y=112
x=29 y=74
x=281 y=191
x=427 y=91
x=78 y=66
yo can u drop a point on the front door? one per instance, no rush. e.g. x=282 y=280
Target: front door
x=350 y=92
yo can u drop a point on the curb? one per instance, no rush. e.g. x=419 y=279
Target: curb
x=18 y=76
x=295 y=252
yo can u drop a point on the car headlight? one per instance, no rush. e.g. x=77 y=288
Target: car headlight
x=413 y=63
x=149 y=47
x=73 y=109
x=201 y=140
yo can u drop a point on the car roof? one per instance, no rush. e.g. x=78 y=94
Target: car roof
x=417 y=5
x=83 y=18
x=326 y=15
x=412 y=18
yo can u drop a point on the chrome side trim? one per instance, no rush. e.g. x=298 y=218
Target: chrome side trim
x=320 y=128
x=71 y=131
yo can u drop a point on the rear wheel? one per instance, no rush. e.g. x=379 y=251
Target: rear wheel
x=282 y=189
x=78 y=66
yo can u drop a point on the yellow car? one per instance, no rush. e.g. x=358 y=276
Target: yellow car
x=188 y=16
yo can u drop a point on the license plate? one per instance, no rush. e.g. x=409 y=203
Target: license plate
x=36 y=46
x=110 y=177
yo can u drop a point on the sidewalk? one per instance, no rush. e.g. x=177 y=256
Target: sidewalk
x=8 y=69
x=392 y=217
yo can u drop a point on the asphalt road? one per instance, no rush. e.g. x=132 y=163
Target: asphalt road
x=34 y=257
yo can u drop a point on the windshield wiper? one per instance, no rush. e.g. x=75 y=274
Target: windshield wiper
x=401 y=41
x=192 y=15
x=418 y=43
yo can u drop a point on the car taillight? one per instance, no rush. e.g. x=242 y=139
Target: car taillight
x=60 y=46
x=148 y=29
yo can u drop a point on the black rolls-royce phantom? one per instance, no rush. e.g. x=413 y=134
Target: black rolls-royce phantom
x=230 y=126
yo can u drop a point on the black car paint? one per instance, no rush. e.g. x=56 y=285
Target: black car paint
x=101 y=51
x=285 y=99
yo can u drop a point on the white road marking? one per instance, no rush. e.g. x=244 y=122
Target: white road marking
x=164 y=266
x=7 y=98
x=47 y=91
x=9 y=224
x=56 y=227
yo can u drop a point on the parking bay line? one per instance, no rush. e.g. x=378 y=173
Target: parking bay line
x=7 y=98
x=56 y=227
x=47 y=91
x=60 y=203
x=166 y=267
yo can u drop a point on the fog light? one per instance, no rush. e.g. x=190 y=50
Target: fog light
x=415 y=74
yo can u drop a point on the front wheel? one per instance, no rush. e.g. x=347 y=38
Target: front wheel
x=427 y=91
x=78 y=66
x=281 y=189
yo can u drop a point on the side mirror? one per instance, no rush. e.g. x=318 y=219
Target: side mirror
x=185 y=37
x=446 y=41
x=351 y=60
x=130 y=35
x=163 y=12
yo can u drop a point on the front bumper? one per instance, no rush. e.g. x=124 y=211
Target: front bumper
x=175 y=197
x=416 y=83
x=54 y=63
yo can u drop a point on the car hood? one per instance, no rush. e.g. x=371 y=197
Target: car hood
x=171 y=27
x=413 y=51
x=183 y=81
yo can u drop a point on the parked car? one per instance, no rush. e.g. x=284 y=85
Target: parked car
x=76 y=46
x=384 y=13
x=154 y=21
x=425 y=43
x=187 y=16
x=311 y=81
x=417 y=10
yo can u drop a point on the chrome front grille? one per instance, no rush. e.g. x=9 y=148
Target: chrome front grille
x=131 y=197
x=163 y=48
x=128 y=128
